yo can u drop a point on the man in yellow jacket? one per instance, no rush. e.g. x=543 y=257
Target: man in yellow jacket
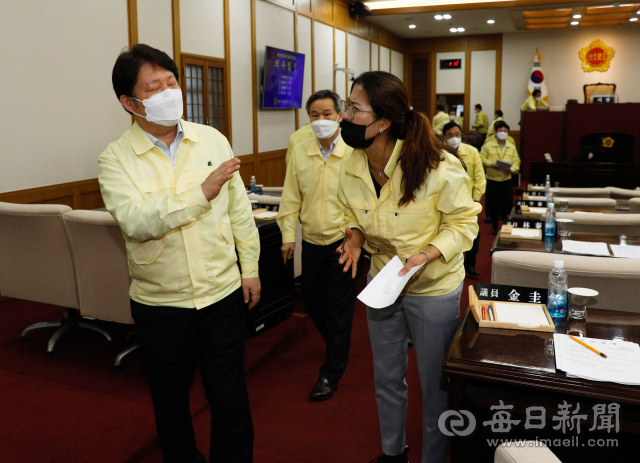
x=439 y=120
x=173 y=187
x=475 y=170
x=492 y=131
x=534 y=102
x=311 y=195
x=500 y=159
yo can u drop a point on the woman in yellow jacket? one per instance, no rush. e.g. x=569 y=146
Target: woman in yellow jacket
x=405 y=193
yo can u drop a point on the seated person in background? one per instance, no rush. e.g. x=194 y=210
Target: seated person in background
x=499 y=188
x=534 y=102
x=303 y=133
x=311 y=195
x=585 y=154
x=475 y=171
x=439 y=120
x=482 y=122
x=492 y=131
x=454 y=118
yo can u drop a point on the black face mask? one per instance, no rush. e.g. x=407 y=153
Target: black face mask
x=354 y=134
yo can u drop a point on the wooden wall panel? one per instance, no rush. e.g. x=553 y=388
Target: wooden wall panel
x=341 y=16
x=384 y=38
x=304 y=7
x=84 y=194
x=323 y=11
x=289 y=4
x=273 y=171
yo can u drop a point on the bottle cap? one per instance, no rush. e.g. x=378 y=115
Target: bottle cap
x=558 y=264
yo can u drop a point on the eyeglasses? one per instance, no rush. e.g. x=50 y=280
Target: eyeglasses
x=350 y=111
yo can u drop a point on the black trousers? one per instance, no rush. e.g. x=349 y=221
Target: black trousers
x=172 y=341
x=330 y=297
x=499 y=200
x=470 y=255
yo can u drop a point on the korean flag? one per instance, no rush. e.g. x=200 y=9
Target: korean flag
x=537 y=79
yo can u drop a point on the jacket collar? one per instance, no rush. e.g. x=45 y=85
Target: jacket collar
x=141 y=143
x=339 y=150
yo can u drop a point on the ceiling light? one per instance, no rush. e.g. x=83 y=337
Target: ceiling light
x=577 y=16
x=438 y=17
x=446 y=16
x=633 y=19
x=574 y=23
x=412 y=26
x=490 y=21
x=453 y=29
x=461 y=29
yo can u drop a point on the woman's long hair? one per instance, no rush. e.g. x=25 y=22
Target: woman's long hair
x=422 y=149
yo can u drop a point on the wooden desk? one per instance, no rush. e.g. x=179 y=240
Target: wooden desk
x=587 y=175
x=518 y=367
x=538 y=246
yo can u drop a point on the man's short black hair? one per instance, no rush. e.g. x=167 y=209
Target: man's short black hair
x=323 y=95
x=479 y=106
x=440 y=107
x=448 y=126
x=125 y=71
x=501 y=125
x=499 y=113
x=536 y=92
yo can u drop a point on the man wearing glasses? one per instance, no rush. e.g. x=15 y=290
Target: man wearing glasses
x=311 y=195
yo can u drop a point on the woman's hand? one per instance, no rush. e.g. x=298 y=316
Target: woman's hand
x=419 y=259
x=350 y=250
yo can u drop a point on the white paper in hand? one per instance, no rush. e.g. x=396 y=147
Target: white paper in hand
x=385 y=288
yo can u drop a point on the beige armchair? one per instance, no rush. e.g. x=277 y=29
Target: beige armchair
x=528 y=452
x=581 y=192
x=102 y=272
x=614 y=224
x=617 y=280
x=36 y=264
x=622 y=195
x=602 y=204
x=634 y=205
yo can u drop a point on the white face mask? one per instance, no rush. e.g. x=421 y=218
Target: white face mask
x=324 y=128
x=454 y=142
x=164 y=108
x=537 y=98
x=452 y=118
x=502 y=135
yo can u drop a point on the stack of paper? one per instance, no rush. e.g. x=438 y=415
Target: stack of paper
x=526 y=232
x=630 y=252
x=585 y=248
x=622 y=364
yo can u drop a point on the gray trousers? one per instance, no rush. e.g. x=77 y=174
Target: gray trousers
x=432 y=322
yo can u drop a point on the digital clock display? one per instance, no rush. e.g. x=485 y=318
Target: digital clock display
x=451 y=63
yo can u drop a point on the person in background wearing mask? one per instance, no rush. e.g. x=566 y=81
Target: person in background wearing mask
x=174 y=188
x=475 y=171
x=482 y=122
x=534 y=102
x=454 y=118
x=311 y=195
x=439 y=120
x=499 y=187
x=405 y=194
x=492 y=131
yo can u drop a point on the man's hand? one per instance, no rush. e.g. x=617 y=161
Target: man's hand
x=287 y=251
x=215 y=181
x=350 y=250
x=251 y=289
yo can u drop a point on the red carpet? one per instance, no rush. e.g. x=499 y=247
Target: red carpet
x=74 y=408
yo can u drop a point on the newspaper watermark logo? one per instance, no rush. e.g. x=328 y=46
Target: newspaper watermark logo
x=453 y=423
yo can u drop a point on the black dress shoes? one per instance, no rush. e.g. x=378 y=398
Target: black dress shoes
x=402 y=458
x=488 y=219
x=494 y=231
x=323 y=390
x=471 y=270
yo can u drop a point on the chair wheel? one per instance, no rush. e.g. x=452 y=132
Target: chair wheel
x=49 y=355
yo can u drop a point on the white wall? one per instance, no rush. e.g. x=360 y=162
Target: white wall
x=241 y=77
x=374 y=56
x=359 y=51
x=341 y=59
x=155 y=24
x=397 y=64
x=58 y=109
x=323 y=55
x=562 y=66
x=304 y=47
x=202 y=27
x=274 y=125
x=385 y=59
x=450 y=80
x=483 y=82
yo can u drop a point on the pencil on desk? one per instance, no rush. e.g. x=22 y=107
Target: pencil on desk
x=588 y=347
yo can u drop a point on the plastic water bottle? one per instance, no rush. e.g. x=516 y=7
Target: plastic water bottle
x=547 y=188
x=254 y=188
x=557 y=297
x=549 y=228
